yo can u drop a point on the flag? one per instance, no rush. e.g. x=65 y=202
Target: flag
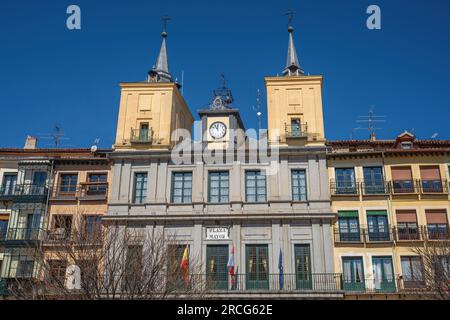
x=230 y=266
x=185 y=265
x=280 y=269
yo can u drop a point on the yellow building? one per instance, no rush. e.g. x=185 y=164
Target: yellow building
x=391 y=198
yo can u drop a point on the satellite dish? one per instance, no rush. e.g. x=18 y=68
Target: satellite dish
x=73 y=278
x=94 y=149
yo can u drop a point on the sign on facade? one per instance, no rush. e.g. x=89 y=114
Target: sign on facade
x=217 y=233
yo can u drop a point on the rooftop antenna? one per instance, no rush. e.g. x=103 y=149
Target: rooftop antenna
x=95 y=144
x=57 y=136
x=182 y=82
x=371 y=121
x=435 y=135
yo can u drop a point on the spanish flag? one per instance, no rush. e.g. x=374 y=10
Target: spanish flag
x=185 y=265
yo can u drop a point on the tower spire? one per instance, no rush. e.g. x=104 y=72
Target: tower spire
x=160 y=71
x=292 y=65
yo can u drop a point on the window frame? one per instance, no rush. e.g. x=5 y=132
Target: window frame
x=142 y=195
x=247 y=172
x=184 y=196
x=298 y=179
x=220 y=188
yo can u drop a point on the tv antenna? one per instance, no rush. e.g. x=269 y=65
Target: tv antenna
x=435 y=135
x=371 y=119
x=57 y=136
x=95 y=144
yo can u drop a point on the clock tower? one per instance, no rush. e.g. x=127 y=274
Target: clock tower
x=220 y=120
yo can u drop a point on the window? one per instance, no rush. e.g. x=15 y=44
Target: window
x=437 y=224
x=257 y=267
x=133 y=268
x=68 y=184
x=373 y=180
x=303 y=266
x=3 y=228
x=345 y=181
x=216 y=267
x=407 y=228
x=378 y=226
x=353 y=274
x=219 y=187
x=296 y=128
x=140 y=187
x=431 y=179
x=402 y=180
x=182 y=187
x=383 y=274
x=175 y=276
x=255 y=186
x=62 y=226
x=39 y=182
x=298 y=180
x=412 y=272
x=25 y=268
x=144 y=132
x=9 y=184
x=57 y=272
x=97 y=184
x=349 y=226
x=441 y=271
x=92 y=225
x=406 y=145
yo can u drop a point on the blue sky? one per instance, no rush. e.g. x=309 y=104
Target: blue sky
x=49 y=74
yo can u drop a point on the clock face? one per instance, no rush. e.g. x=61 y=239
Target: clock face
x=218 y=130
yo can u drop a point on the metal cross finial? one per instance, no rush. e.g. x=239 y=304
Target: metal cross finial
x=290 y=15
x=165 y=19
x=224 y=81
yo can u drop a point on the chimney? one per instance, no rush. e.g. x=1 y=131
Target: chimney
x=373 y=138
x=30 y=143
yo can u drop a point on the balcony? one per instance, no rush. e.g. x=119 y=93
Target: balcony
x=370 y=285
x=139 y=136
x=404 y=187
x=406 y=234
x=24 y=193
x=24 y=234
x=374 y=188
x=316 y=282
x=97 y=191
x=296 y=131
x=363 y=235
x=344 y=188
x=433 y=186
x=354 y=236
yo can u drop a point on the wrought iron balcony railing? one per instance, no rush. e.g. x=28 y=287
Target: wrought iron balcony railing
x=374 y=188
x=344 y=188
x=348 y=236
x=296 y=131
x=141 y=136
x=22 y=190
x=433 y=186
x=404 y=187
x=315 y=282
x=84 y=191
x=24 y=234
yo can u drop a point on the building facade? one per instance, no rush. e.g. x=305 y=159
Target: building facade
x=276 y=222
x=391 y=198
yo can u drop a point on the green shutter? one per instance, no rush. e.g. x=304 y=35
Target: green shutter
x=377 y=213
x=348 y=214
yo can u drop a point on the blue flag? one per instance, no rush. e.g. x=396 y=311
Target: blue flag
x=280 y=269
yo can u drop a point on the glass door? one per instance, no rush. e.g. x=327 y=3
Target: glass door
x=39 y=181
x=378 y=227
x=303 y=266
x=257 y=267
x=353 y=277
x=383 y=274
x=32 y=229
x=216 y=267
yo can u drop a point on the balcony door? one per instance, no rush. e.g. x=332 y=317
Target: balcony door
x=345 y=181
x=257 y=267
x=378 y=226
x=39 y=181
x=353 y=274
x=383 y=274
x=216 y=267
x=9 y=184
x=303 y=274
x=349 y=226
x=296 y=128
x=143 y=132
x=32 y=226
x=373 y=180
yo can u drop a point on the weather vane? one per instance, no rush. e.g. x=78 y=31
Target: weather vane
x=165 y=19
x=224 y=81
x=290 y=15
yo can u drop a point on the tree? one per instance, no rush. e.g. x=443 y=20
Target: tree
x=111 y=262
x=435 y=255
